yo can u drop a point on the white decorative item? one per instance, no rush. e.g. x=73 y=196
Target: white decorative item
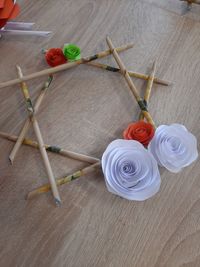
x=130 y=170
x=22 y=28
x=173 y=147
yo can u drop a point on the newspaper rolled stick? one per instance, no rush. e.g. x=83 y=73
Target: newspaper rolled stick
x=65 y=180
x=131 y=73
x=148 y=88
x=63 y=66
x=130 y=83
x=53 y=149
x=43 y=152
x=27 y=123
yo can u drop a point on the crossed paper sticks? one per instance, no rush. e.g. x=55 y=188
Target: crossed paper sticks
x=33 y=110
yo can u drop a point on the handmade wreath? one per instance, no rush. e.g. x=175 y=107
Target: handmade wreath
x=129 y=165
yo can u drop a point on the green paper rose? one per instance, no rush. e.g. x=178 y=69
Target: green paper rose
x=71 y=52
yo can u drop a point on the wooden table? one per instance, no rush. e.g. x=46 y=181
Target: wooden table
x=84 y=110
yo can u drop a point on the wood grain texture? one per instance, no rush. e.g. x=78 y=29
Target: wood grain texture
x=83 y=111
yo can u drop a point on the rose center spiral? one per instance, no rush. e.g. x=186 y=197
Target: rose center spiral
x=128 y=168
x=174 y=143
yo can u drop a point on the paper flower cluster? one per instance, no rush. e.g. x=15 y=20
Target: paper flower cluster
x=130 y=166
x=8 y=10
x=58 y=56
x=131 y=171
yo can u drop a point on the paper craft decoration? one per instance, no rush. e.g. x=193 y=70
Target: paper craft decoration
x=71 y=52
x=10 y=10
x=2 y=3
x=173 y=147
x=36 y=128
x=130 y=170
x=55 y=57
x=65 y=180
x=58 y=56
x=140 y=131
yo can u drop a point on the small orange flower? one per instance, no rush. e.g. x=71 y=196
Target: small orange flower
x=55 y=57
x=141 y=131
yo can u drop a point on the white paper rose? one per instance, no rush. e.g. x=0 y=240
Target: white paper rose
x=173 y=147
x=130 y=170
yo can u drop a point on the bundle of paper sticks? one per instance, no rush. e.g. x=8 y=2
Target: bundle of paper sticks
x=33 y=112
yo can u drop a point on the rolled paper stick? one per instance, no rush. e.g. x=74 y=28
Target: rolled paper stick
x=131 y=73
x=63 y=66
x=24 y=32
x=65 y=180
x=27 y=122
x=25 y=91
x=18 y=25
x=43 y=152
x=47 y=165
x=130 y=83
x=44 y=89
x=53 y=149
x=19 y=141
x=148 y=89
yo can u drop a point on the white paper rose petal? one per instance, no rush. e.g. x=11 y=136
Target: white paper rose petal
x=173 y=147
x=130 y=170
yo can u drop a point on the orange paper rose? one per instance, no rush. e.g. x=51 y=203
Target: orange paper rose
x=141 y=131
x=55 y=57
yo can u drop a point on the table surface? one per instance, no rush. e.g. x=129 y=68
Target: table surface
x=84 y=110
